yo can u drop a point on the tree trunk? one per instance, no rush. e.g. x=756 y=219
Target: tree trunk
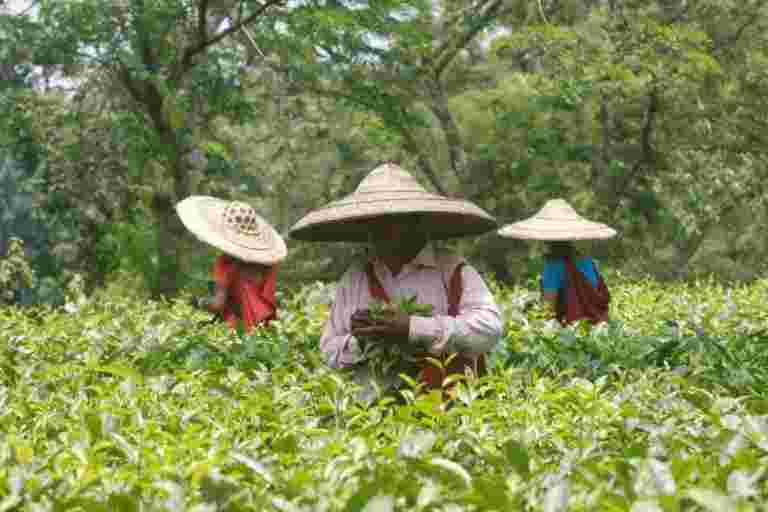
x=170 y=230
x=170 y=233
x=411 y=145
x=441 y=110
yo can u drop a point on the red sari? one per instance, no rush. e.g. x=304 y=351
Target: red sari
x=580 y=300
x=249 y=298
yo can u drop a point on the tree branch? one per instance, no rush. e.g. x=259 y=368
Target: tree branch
x=409 y=141
x=148 y=96
x=191 y=52
x=145 y=47
x=646 y=147
x=425 y=165
x=202 y=16
x=476 y=23
x=124 y=75
x=733 y=39
x=687 y=7
x=26 y=10
x=600 y=162
x=541 y=12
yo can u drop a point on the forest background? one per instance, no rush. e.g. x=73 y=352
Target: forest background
x=651 y=116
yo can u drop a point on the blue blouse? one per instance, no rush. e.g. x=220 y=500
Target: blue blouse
x=555 y=277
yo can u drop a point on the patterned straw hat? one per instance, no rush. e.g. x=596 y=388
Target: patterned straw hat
x=557 y=221
x=390 y=190
x=233 y=227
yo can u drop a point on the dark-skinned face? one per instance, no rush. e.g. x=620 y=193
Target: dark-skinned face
x=397 y=236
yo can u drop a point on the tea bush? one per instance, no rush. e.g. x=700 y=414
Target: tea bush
x=110 y=404
x=15 y=272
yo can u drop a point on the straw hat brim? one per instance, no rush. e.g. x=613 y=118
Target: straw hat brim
x=202 y=216
x=557 y=230
x=347 y=220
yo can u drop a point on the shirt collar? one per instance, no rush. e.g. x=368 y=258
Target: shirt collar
x=425 y=258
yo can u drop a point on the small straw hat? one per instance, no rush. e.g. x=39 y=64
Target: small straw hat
x=233 y=227
x=390 y=190
x=557 y=221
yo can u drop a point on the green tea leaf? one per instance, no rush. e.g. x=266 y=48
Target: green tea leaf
x=712 y=500
x=517 y=455
x=120 y=371
x=122 y=503
x=380 y=504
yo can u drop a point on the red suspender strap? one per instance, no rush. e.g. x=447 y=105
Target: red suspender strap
x=461 y=361
x=374 y=285
x=455 y=290
x=433 y=376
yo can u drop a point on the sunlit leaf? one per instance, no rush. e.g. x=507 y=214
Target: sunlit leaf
x=122 y=503
x=453 y=468
x=416 y=444
x=380 y=504
x=254 y=465
x=557 y=497
x=646 y=506
x=712 y=500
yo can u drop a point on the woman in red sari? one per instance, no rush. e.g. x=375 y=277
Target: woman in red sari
x=246 y=274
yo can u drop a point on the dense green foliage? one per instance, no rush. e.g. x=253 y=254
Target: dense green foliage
x=110 y=404
x=158 y=76
x=649 y=115
x=15 y=272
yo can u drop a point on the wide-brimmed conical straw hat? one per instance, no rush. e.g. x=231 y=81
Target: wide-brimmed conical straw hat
x=557 y=221
x=389 y=190
x=233 y=227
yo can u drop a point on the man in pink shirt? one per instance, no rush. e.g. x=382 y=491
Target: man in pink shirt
x=398 y=218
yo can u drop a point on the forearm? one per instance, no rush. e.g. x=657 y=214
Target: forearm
x=340 y=350
x=477 y=331
x=210 y=304
x=215 y=303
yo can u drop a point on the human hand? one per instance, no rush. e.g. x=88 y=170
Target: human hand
x=201 y=303
x=393 y=326
x=361 y=318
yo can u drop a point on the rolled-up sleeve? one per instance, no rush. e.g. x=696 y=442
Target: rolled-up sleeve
x=340 y=348
x=476 y=329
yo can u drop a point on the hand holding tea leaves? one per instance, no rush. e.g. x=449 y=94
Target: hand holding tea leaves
x=382 y=327
x=390 y=321
x=390 y=326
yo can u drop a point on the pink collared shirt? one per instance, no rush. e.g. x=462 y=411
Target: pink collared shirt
x=475 y=330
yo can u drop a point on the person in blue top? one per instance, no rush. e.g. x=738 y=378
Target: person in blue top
x=554 y=278
x=571 y=283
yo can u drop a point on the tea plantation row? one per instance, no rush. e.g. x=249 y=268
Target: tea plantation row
x=114 y=404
